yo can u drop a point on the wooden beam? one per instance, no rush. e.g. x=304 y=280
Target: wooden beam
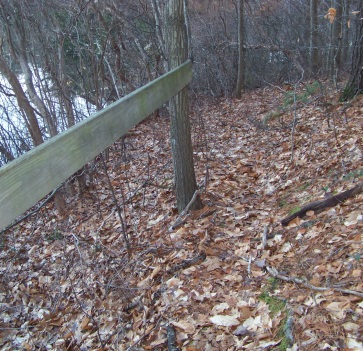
x=26 y=180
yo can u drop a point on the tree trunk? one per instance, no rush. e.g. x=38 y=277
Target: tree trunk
x=6 y=153
x=336 y=42
x=23 y=102
x=314 y=37
x=181 y=143
x=345 y=36
x=355 y=82
x=241 y=51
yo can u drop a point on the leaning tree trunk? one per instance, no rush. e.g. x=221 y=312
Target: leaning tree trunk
x=30 y=118
x=176 y=47
x=355 y=82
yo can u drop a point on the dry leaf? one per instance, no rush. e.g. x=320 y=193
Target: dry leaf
x=338 y=310
x=185 y=326
x=223 y=320
x=332 y=12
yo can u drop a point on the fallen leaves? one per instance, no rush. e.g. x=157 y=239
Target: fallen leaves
x=70 y=283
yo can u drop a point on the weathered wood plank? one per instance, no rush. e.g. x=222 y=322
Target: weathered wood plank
x=26 y=180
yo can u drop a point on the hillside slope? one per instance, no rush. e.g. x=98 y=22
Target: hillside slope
x=227 y=277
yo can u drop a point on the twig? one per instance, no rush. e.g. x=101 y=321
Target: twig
x=294 y=122
x=249 y=267
x=143 y=336
x=117 y=207
x=89 y=315
x=273 y=271
x=264 y=237
x=186 y=209
x=288 y=328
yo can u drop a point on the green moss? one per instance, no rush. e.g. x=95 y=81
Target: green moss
x=55 y=235
x=354 y=174
x=303 y=186
x=275 y=304
x=284 y=344
x=348 y=94
x=294 y=210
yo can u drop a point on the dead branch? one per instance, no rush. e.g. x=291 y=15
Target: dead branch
x=118 y=208
x=144 y=336
x=274 y=272
x=321 y=205
x=171 y=337
x=179 y=220
x=288 y=327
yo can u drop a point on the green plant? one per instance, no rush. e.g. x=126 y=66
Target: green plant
x=357 y=256
x=55 y=235
x=312 y=88
x=354 y=174
x=289 y=98
x=273 y=115
x=303 y=186
x=282 y=203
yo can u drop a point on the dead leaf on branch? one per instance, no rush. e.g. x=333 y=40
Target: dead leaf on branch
x=332 y=12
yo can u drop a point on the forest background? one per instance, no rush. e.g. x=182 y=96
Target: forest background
x=63 y=62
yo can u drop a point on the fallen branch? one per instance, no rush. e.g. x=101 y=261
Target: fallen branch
x=171 y=337
x=319 y=206
x=273 y=271
x=179 y=220
x=288 y=328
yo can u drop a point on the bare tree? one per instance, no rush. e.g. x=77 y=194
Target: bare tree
x=241 y=50
x=30 y=118
x=355 y=82
x=314 y=50
x=177 y=53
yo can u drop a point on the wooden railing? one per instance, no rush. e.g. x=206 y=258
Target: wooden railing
x=26 y=180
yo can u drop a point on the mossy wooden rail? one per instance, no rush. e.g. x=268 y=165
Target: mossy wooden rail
x=26 y=180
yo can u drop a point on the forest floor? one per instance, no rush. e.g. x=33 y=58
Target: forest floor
x=229 y=276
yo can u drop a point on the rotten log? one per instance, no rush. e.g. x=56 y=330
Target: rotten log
x=321 y=205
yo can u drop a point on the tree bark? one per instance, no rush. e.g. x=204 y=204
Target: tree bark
x=321 y=205
x=345 y=36
x=355 y=82
x=241 y=51
x=23 y=102
x=336 y=42
x=6 y=153
x=176 y=46
x=16 y=37
x=314 y=37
